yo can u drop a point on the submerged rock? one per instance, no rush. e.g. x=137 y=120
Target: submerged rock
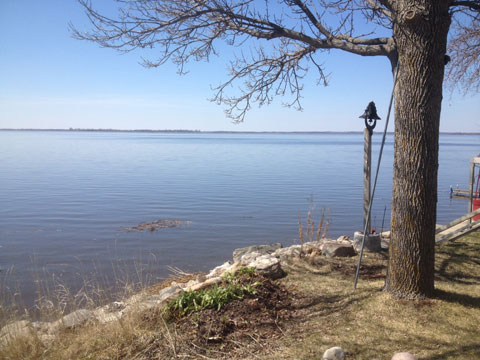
x=156 y=225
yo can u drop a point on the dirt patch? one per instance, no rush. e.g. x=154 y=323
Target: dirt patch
x=157 y=225
x=240 y=325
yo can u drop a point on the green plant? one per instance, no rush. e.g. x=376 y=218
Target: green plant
x=232 y=288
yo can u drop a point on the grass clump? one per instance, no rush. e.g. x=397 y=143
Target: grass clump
x=312 y=233
x=233 y=287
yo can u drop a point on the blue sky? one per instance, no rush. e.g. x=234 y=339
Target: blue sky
x=49 y=80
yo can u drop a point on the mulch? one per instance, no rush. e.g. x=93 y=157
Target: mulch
x=255 y=319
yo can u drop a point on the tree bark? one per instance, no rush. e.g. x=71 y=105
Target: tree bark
x=420 y=33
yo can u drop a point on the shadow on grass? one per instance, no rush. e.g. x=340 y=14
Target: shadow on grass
x=461 y=257
x=453 y=297
x=472 y=350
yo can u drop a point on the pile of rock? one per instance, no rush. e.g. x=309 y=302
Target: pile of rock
x=266 y=259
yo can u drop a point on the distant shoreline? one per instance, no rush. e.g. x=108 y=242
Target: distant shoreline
x=179 y=131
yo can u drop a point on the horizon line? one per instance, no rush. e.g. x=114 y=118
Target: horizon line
x=213 y=131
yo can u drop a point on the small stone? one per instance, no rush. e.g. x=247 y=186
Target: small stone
x=289 y=252
x=40 y=326
x=334 y=249
x=46 y=338
x=404 y=356
x=344 y=238
x=136 y=298
x=201 y=277
x=168 y=292
x=71 y=320
x=76 y=318
x=189 y=284
x=220 y=270
x=117 y=305
x=105 y=315
x=15 y=330
x=334 y=353
x=262 y=249
x=249 y=258
x=268 y=266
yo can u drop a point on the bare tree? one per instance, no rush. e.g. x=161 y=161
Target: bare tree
x=464 y=49
x=284 y=39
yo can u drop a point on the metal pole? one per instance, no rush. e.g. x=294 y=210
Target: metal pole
x=376 y=175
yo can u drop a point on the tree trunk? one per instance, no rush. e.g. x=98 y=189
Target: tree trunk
x=420 y=34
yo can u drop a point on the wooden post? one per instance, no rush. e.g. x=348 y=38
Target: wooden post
x=367 y=171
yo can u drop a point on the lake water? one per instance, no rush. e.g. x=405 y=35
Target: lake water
x=65 y=197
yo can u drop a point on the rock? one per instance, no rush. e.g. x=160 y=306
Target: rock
x=289 y=252
x=46 y=338
x=344 y=238
x=169 y=292
x=188 y=284
x=149 y=302
x=137 y=298
x=268 y=266
x=201 y=277
x=249 y=258
x=40 y=326
x=76 y=318
x=335 y=249
x=104 y=315
x=116 y=305
x=15 y=330
x=404 y=356
x=334 y=353
x=262 y=249
x=314 y=245
x=220 y=270
x=71 y=320
x=372 y=242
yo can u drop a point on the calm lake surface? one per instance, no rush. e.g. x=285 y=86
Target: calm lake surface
x=65 y=197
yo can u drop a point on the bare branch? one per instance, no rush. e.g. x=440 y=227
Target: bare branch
x=464 y=51
x=184 y=30
x=377 y=8
x=473 y=4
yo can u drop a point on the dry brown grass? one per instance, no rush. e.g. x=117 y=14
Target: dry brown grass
x=367 y=323
x=370 y=324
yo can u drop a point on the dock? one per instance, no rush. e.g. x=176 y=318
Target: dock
x=460 y=193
